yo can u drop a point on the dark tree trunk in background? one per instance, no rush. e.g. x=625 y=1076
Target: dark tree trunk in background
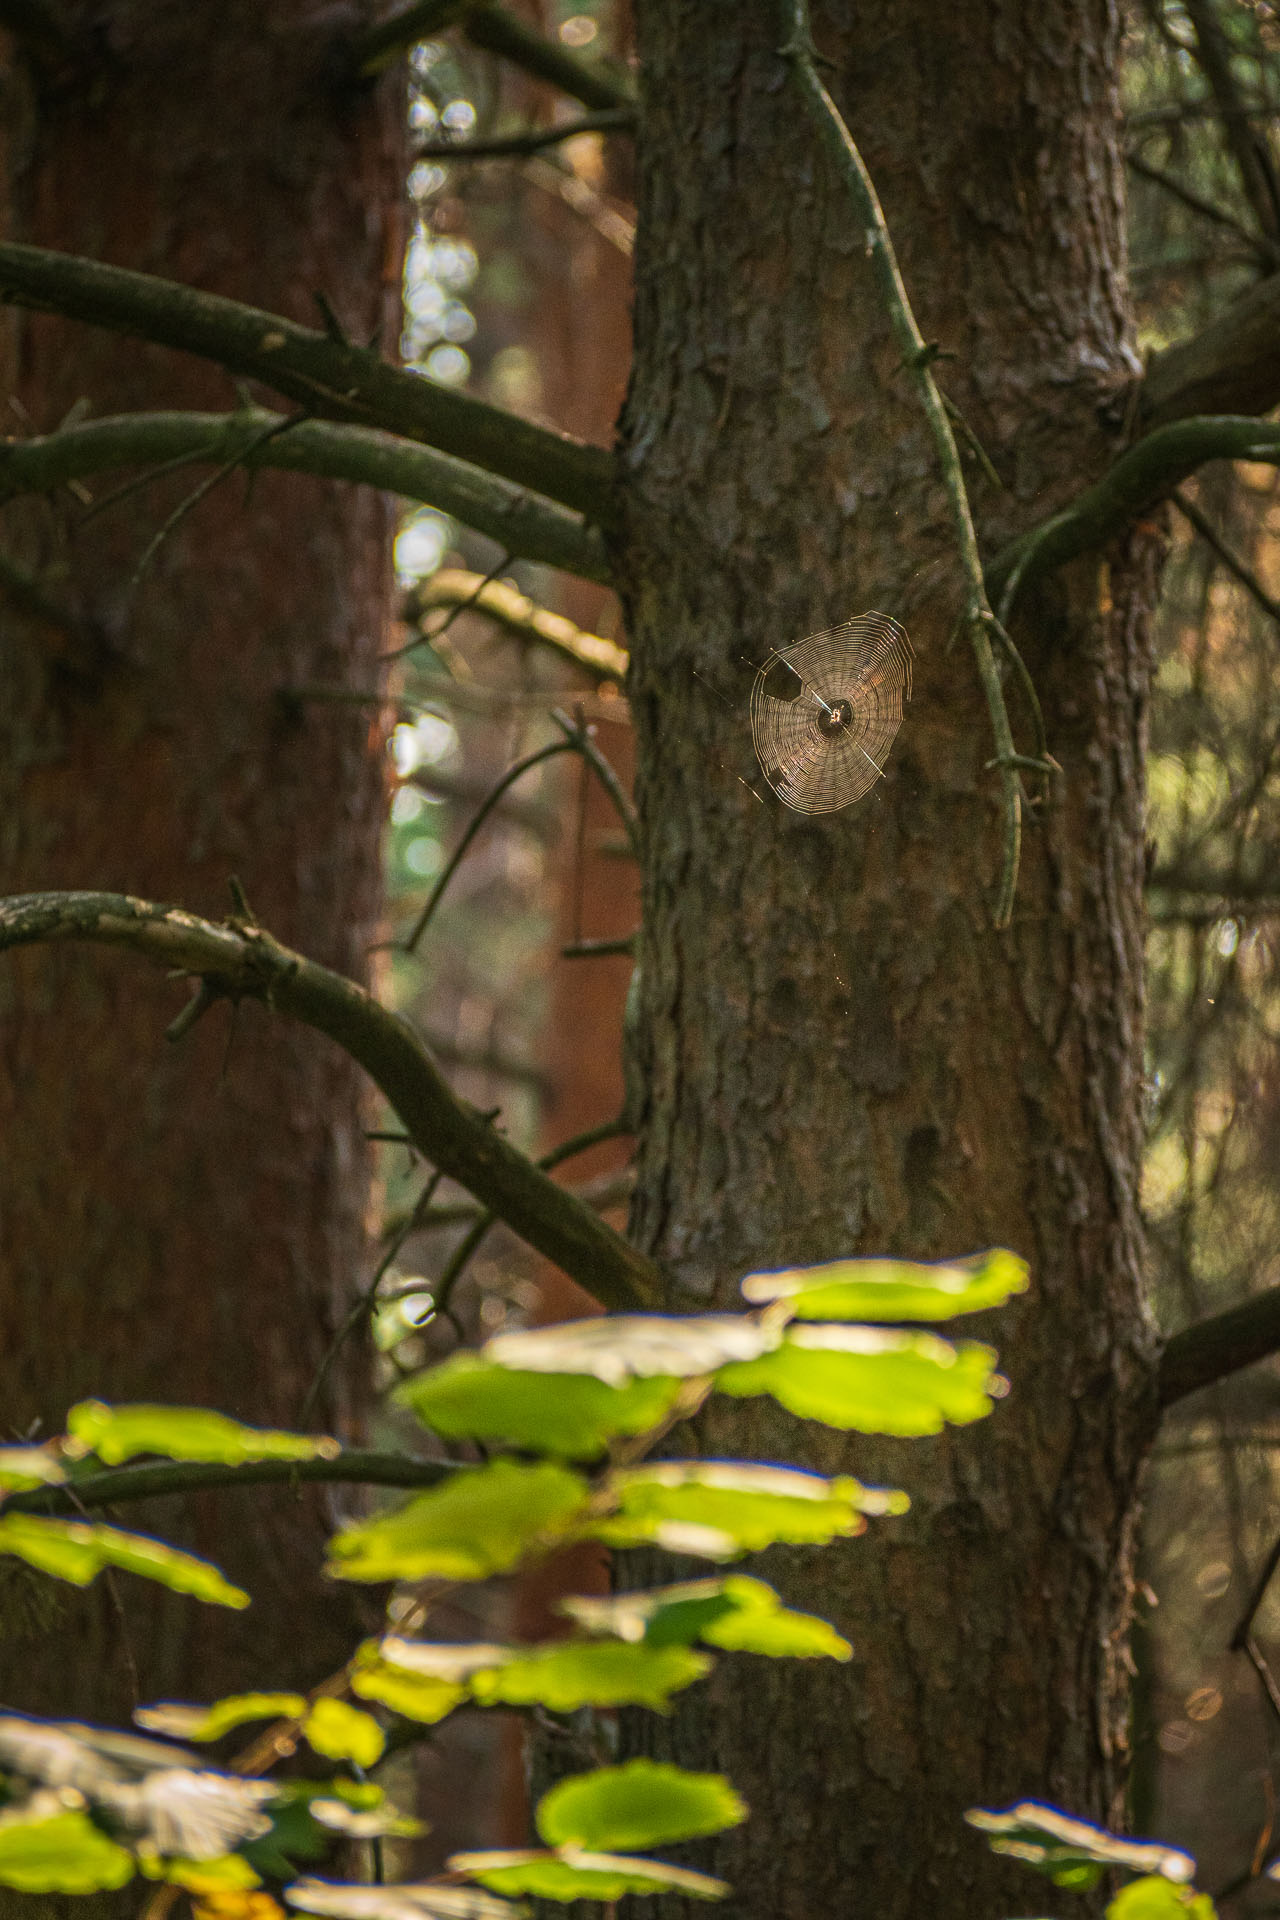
x=841 y=1055
x=185 y=1223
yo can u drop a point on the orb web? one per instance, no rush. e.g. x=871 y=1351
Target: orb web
x=826 y=711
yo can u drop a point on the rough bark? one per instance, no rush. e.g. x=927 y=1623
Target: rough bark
x=840 y=1054
x=185 y=1223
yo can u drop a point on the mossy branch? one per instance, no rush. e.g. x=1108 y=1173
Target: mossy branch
x=917 y=356
x=238 y=960
x=496 y=31
x=1143 y=476
x=523 y=524
x=329 y=377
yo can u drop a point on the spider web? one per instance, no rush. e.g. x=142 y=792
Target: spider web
x=826 y=711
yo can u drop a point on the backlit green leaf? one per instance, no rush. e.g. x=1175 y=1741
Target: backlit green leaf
x=589 y=1673
x=891 y=1289
x=734 y=1612
x=416 y=1696
x=184 y=1433
x=210 y=1723
x=721 y=1509
x=473 y=1525
x=78 y=1550
x=30 y=1467
x=65 y=1853
x=343 y=1732
x=626 y=1346
x=425 y=1900
x=1074 y=1853
x=571 y=1415
x=1155 y=1898
x=228 y=1873
x=872 y=1379
x=645 y=1803
x=582 y=1876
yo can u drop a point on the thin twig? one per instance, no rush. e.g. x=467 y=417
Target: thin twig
x=434 y=638
x=917 y=355
x=499 y=146
x=1258 y=243
x=365 y=1302
x=478 y=819
x=1233 y=564
x=583 y=739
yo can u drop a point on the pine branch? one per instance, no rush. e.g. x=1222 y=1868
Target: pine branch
x=329 y=377
x=1140 y=479
x=496 y=31
x=453 y=587
x=238 y=961
x=521 y=523
x=526 y=140
x=1230 y=366
x=1214 y=1348
x=156 y=1478
x=917 y=356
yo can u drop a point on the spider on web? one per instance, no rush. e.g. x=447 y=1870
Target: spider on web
x=826 y=711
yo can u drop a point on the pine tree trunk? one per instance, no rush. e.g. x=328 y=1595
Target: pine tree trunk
x=841 y=1054
x=186 y=1223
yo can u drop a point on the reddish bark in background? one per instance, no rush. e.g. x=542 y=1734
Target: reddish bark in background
x=185 y=1223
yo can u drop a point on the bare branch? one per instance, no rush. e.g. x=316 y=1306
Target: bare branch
x=1140 y=479
x=1230 y=366
x=328 y=377
x=522 y=523
x=1210 y=1350
x=527 y=140
x=1266 y=250
x=1248 y=149
x=917 y=356
x=452 y=587
x=496 y=31
x=155 y=1479
x=243 y=961
x=1231 y=561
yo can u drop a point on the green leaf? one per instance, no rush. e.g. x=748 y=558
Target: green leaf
x=228 y=1873
x=626 y=1346
x=1155 y=1898
x=405 y=1902
x=343 y=1732
x=210 y=1723
x=65 y=1853
x=891 y=1289
x=475 y=1524
x=570 y=1415
x=872 y=1379
x=30 y=1467
x=416 y=1696
x=735 y=1613
x=78 y=1550
x=1074 y=1853
x=720 y=1509
x=582 y=1876
x=645 y=1803
x=589 y=1673
x=184 y=1433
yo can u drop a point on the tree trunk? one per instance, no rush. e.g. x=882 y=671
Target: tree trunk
x=841 y=1055
x=186 y=1223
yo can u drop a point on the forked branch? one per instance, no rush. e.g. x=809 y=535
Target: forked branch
x=522 y=523
x=917 y=355
x=241 y=961
x=329 y=377
x=496 y=31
